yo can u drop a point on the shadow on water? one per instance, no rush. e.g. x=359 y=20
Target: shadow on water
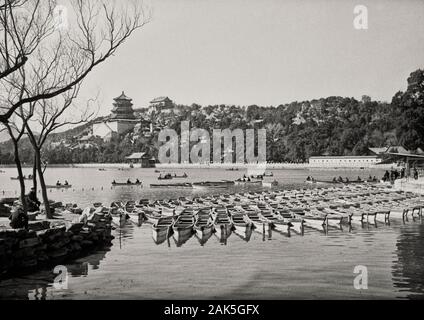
x=408 y=270
x=37 y=286
x=124 y=231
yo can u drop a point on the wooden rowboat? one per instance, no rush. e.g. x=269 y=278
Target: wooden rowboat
x=162 y=229
x=260 y=224
x=16 y=178
x=276 y=223
x=183 y=228
x=203 y=226
x=174 y=185
x=208 y=184
x=247 y=183
x=242 y=227
x=59 y=187
x=116 y=184
x=223 y=224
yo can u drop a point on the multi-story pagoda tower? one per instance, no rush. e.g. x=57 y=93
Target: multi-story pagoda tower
x=122 y=108
x=121 y=121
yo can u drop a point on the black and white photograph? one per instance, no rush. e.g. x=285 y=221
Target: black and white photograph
x=211 y=150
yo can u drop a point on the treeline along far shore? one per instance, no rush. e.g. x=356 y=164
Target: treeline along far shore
x=295 y=131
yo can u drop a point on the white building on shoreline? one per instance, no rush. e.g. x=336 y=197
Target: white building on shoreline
x=344 y=161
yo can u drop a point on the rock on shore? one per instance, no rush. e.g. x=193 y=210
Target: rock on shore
x=48 y=243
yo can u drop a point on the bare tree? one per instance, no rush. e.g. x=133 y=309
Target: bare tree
x=16 y=132
x=42 y=59
x=48 y=116
x=62 y=58
x=19 y=40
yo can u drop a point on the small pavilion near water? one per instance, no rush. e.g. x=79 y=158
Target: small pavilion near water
x=141 y=158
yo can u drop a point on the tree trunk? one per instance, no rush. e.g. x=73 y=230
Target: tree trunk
x=20 y=174
x=43 y=185
x=34 y=174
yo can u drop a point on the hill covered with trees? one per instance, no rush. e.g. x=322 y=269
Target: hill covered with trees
x=295 y=131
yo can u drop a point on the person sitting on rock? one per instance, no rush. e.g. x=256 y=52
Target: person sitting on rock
x=18 y=218
x=33 y=202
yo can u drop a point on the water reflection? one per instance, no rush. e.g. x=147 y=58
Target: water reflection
x=38 y=286
x=223 y=233
x=124 y=231
x=159 y=236
x=408 y=270
x=181 y=237
x=204 y=235
x=244 y=233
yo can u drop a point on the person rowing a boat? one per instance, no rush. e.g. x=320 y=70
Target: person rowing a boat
x=129 y=181
x=340 y=179
x=137 y=181
x=66 y=183
x=58 y=184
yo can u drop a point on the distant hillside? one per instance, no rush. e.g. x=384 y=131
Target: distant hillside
x=70 y=133
x=295 y=131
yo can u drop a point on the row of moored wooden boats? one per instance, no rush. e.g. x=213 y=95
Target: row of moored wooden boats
x=283 y=211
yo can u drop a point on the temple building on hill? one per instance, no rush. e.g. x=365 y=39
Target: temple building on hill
x=121 y=120
x=161 y=105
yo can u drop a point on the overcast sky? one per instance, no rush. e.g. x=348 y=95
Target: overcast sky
x=264 y=52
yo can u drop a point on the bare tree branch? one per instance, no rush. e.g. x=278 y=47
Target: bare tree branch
x=60 y=60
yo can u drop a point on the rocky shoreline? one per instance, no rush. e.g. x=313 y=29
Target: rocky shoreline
x=49 y=243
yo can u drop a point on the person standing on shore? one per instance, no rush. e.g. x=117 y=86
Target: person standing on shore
x=415 y=173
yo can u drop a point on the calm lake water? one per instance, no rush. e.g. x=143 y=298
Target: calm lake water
x=270 y=266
